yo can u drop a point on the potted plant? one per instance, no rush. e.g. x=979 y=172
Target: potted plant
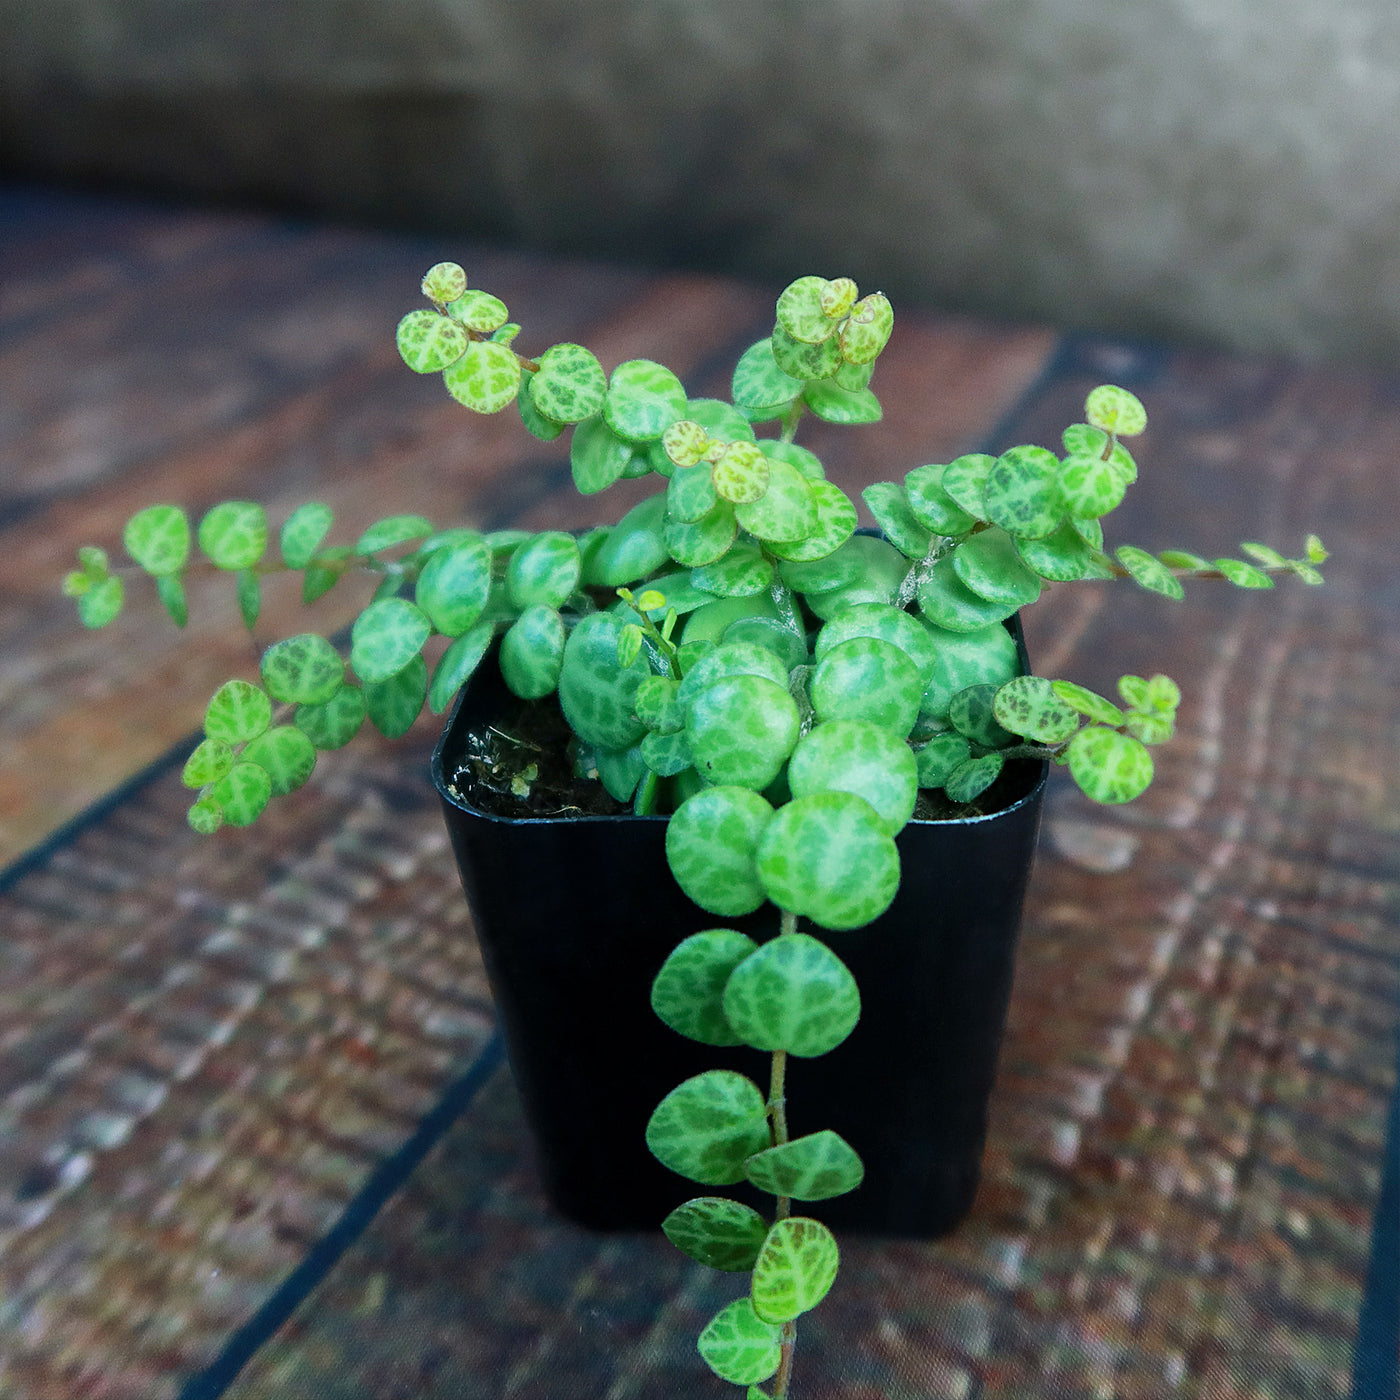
x=795 y=767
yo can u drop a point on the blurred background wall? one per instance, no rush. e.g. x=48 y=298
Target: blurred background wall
x=1219 y=170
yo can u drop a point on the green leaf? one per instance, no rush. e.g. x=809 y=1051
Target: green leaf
x=688 y=992
x=686 y=442
x=704 y=541
x=1086 y=702
x=868 y=330
x=171 y=591
x=708 y=1126
x=794 y=1270
x=1022 y=492
x=635 y=546
x=455 y=585
x=536 y=424
x=320 y=576
x=890 y=507
x=1183 y=559
x=394 y=704
x=965 y=481
x=643 y=400
x=393 y=530
x=1306 y=572
x=800 y=311
x=234 y=534
x=334 y=722
x=848 y=755
x=429 y=341
x=931 y=505
x=807 y=462
x=990 y=566
x=1108 y=766
x=1243 y=575
x=740 y=731
x=545 y=570
x=302 y=670
x=962 y=659
x=570 y=385
x=811 y=1168
x=948 y=603
x=1063 y=556
x=717 y=1232
x=837 y=297
x=804 y=360
x=1029 y=706
x=1316 y=551
x=1134 y=691
x=207 y=764
x=940 y=757
x=1148 y=572
x=597 y=456
x=741 y=475
x=303 y=531
x=237 y=712
x=457 y=664
x=1163 y=694
x=158 y=539
x=830 y=402
x=1089 y=486
x=739 y=1346
x=712 y=841
x=205 y=816
x=890 y=624
x=444 y=282
x=827 y=855
x=759 y=385
x=242 y=793
x=286 y=754
x=102 y=602
x=1151 y=729
x=793 y=994
x=1115 y=410
x=971 y=779
x=386 y=637
x=486 y=379
x=835 y=524
x=868 y=678
x=249 y=590
x=972 y=712
x=1262 y=554
x=731 y=659
x=742 y=572
x=691 y=494
x=595 y=693
x=479 y=311
x=532 y=652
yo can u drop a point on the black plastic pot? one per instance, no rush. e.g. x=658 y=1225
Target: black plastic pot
x=575 y=916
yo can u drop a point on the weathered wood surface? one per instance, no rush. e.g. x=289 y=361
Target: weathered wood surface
x=207 y=1047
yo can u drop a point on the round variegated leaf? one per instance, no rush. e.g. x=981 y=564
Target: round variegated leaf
x=787 y=510
x=1063 y=556
x=793 y=994
x=206 y=817
x=532 y=652
x=711 y=846
x=804 y=360
x=386 y=637
x=1115 y=410
x=237 y=712
x=806 y=461
x=635 y=546
x=720 y=1233
x=989 y=565
x=1109 y=766
x=444 y=282
x=870 y=679
x=667 y=755
x=545 y=570
x=486 y=379
x=949 y=603
x=1149 y=572
x=962 y=659
x=479 y=311
x=334 y=722
x=890 y=507
x=969 y=780
x=972 y=712
x=303 y=670
x=643 y=400
x=837 y=297
x=691 y=493
x=801 y=313
x=759 y=385
x=867 y=331
x=731 y=659
x=1029 y=706
x=429 y=341
x=939 y=758
x=841 y=568
x=965 y=480
x=740 y=730
x=1151 y=729
x=303 y=532
x=835 y=524
x=720 y=419
x=700 y=542
x=890 y=624
x=1022 y=492
x=234 y=534
x=830 y=402
x=455 y=585
x=708 y=1126
x=286 y=754
x=743 y=571
x=882 y=575
x=535 y=423
x=1242 y=575
x=741 y=474
x=685 y=442
x=457 y=664
x=595 y=692
x=393 y=704
x=738 y=1346
x=101 y=601
x=570 y=385
x=158 y=539
x=242 y=793
x=597 y=456
x=1089 y=486
x=811 y=1168
x=393 y=530
x=208 y=763
x=829 y=857
x=1086 y=702
x=688 y=993
x=794 y=1270
x=850 y=755
x=931 y=505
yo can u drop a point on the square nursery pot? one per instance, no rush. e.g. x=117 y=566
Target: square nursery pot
x=576 y=915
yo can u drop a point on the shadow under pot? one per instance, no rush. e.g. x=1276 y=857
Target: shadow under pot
x=575 y=915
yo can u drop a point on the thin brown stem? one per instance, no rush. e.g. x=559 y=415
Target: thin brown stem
x=788 y=1342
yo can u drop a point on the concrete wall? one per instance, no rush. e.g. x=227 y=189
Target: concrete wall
x=1224 y=170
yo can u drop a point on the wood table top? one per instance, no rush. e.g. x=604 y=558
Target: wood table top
x=215 y=1053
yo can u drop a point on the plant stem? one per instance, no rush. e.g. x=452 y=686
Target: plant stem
x=788 y=1342
x=794 y=416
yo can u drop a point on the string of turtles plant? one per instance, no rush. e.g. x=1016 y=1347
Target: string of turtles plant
x=731 y=653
